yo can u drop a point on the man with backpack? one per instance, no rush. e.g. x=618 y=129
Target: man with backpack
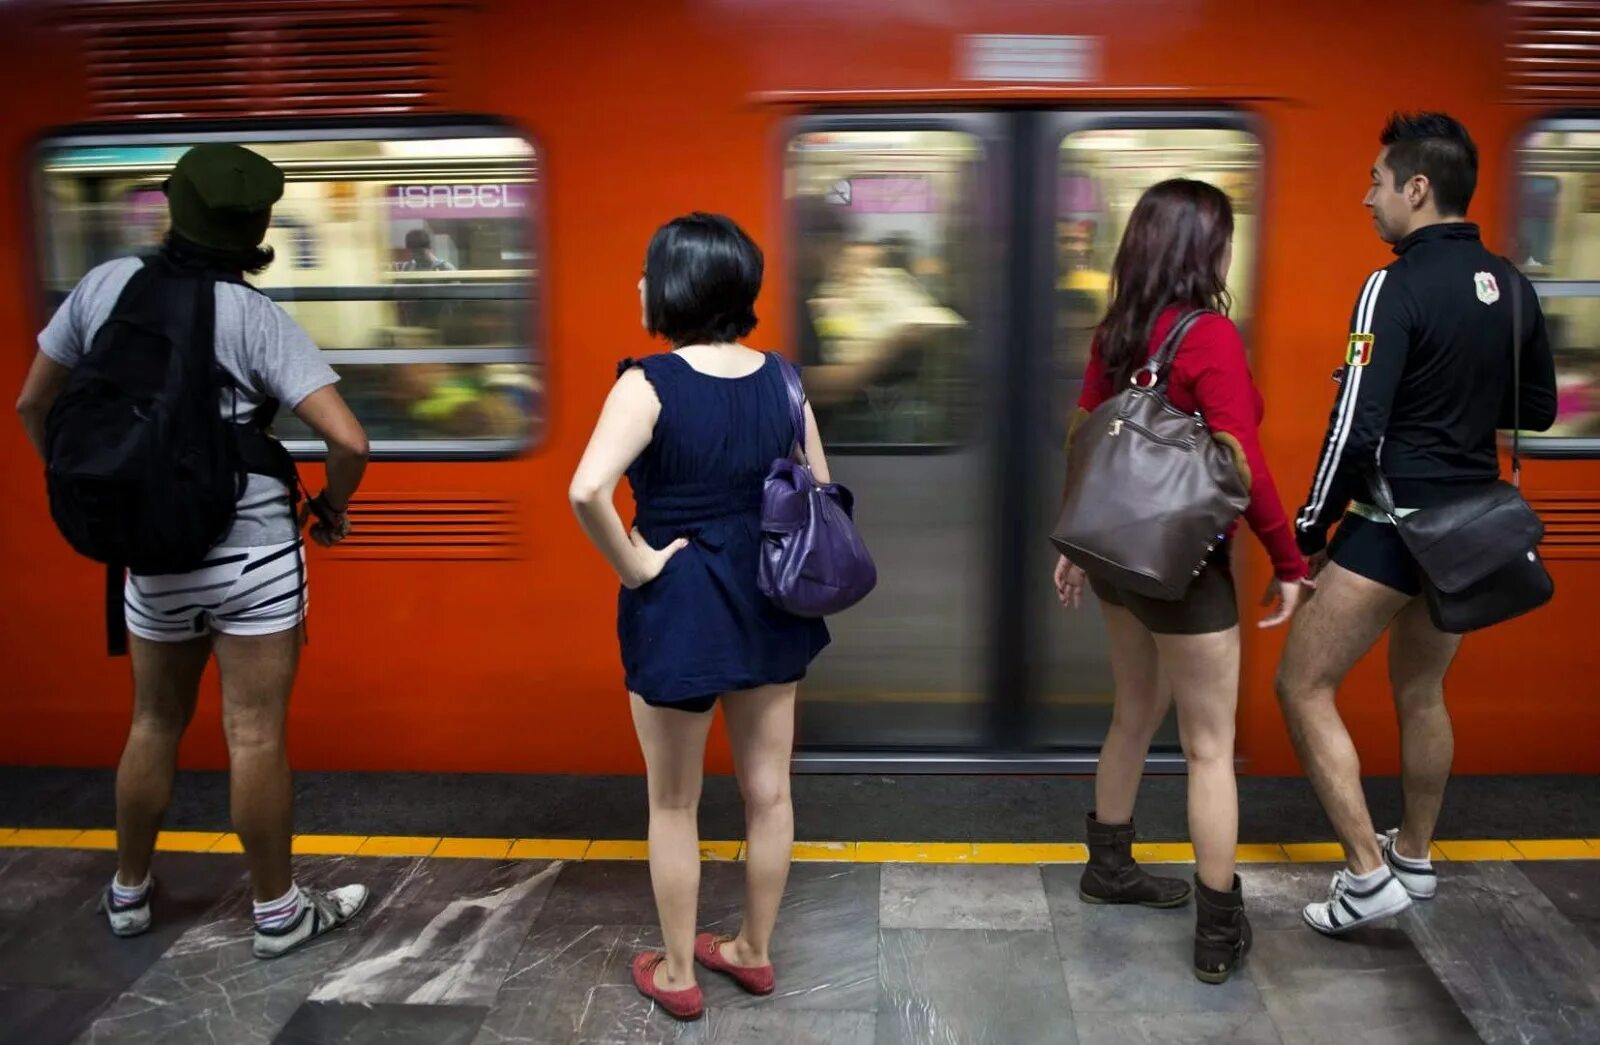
x=1428 y=377
x=150 y=399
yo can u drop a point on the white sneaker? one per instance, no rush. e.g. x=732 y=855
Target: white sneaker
x=1416 y=876
x=1352 y=903
x=323 y=912
x=127 y=919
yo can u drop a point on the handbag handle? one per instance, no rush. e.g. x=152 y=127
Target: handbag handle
x=797 y=404
x=1384 y=497
x=1160 y=363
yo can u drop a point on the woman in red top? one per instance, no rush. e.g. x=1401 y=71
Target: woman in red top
x=1174 y=258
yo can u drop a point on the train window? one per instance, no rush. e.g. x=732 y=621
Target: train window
x=1558 y=246
x=1102 y=173
x=885 y=282
x=409 y=257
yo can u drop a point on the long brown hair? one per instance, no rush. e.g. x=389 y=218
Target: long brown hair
x=1171 y=254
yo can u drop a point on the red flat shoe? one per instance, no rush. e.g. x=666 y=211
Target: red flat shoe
x=687 y=1004
x=757 y=979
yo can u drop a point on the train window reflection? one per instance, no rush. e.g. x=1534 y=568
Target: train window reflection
x=1102 y=174
x=1558 y=246
x=885 y=282
x=409 y=260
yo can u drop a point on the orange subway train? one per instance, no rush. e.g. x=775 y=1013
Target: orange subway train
x=967 y=165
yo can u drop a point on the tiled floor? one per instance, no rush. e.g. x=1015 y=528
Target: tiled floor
x=491 y=952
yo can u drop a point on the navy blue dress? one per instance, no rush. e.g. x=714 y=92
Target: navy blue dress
x=702 y=627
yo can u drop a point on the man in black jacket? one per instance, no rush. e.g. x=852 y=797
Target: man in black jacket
x=1426 y=383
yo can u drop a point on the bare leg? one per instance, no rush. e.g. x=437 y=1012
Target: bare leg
x=1141 y=703
x=166 y=686
x=674 y=746
x=1205 y=674
x=1419 y=656
x=257 y=677
x=761 y=728
x=1329 y=635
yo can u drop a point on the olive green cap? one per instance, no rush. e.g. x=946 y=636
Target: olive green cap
x=222 y=195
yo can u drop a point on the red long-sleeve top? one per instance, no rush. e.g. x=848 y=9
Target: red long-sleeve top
x=1210 y=375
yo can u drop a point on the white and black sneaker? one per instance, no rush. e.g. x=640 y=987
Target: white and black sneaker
x=320 y=913
x=127 y=919
x=1416 y=876
x=1354 y=901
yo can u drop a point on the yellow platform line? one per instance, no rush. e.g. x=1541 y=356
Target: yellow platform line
x=733 y=850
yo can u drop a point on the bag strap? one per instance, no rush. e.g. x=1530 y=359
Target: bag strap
x=1516 y=372
x=797 y=402
x=1160 y=364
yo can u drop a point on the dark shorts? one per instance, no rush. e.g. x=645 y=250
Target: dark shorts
x=695 y=705
x=1375 y=551
x=1210 y=605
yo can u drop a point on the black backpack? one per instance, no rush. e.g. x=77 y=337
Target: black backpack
x=143 y=471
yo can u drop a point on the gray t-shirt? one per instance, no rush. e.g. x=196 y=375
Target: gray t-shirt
x=257 y=342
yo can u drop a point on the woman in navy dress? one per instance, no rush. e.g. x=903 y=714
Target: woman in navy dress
x=696 y=430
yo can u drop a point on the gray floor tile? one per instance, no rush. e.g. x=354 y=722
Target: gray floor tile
x=788 y=1027
x=1176 y=1028
x=1573 y=886
x=972 y=986
x=825 y=948
x=336 y=1023
x=41 y=1016
x=51 y=934
x=447 y=937
x=209 y=988
x=961 y=896
x=1067 y=908
x=617 y=892
x=1503 y=949
x=1134 y=959
x=1370 y=986
x=573 y=984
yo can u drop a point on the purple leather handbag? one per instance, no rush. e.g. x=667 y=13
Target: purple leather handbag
x=813 y=561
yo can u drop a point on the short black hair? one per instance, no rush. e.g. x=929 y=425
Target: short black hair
x=702 y=274
x=1435 y=145
x=186 y=253
x=418 y=239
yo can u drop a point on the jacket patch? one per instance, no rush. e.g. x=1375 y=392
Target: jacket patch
x=1359 y=352
x=1488 y=290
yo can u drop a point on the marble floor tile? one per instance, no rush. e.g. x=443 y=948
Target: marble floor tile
x=1504 y=949
x=1275 y=894
x=572 y=985
x=338 y=1023
x=962 y=896
x=447 y=938
x=825 y=948
x=208 y=987
x=42 y=1016
x=52 y=934
x=617 y=892
x=972 y=986
x=788 y=1027
x=1176 y=1028
x=1573 y=886
x=1369 y=986
x=1126 y=958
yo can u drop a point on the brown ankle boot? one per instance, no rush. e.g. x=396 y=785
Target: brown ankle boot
x=1113 y=877
x=1221 y=931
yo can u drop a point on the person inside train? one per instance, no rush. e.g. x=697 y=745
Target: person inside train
x=245 y=605
x=1425 y=385
x=695 y=430
x=865 y=326
x=1174 y=259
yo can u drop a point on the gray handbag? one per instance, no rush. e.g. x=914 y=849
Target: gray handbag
x=1148 y=491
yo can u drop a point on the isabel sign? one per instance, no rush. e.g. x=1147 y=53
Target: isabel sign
x=489 y=199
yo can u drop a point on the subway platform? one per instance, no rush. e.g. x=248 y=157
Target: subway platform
x=921 y=909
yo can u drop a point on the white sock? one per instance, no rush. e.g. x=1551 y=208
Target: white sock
x=1372 y=877
x=129 y=895
x=1408 y=861
x=282 y=912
